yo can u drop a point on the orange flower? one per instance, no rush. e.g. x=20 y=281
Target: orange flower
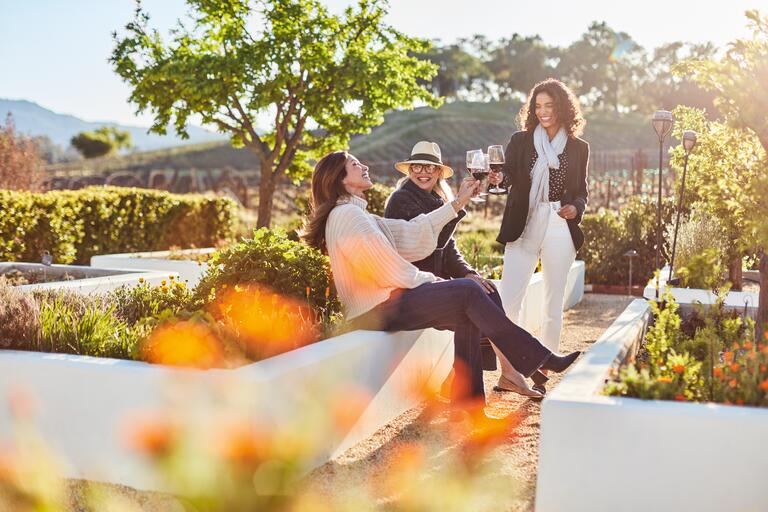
x=240 y=443
x=308 y=291
x=679 y=369
x=739 y=402
x=748 y=345
x=718 y=372
x=732 y=383
x=184 y=343
x=735 y=367
x=327 y=292
x=152 y=435
x=665 y=379
x=764 y=385
x=735 y=345
x=728 y=356
x=763 y=368
x=163 y=282
x=680 y=398
x=764 y=349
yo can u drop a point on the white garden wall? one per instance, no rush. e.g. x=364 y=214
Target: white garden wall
x=697 y=295
x=188 y=270
x=95 y=280
x=601 y=453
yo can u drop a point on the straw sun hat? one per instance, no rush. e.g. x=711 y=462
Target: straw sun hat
x=425 y=153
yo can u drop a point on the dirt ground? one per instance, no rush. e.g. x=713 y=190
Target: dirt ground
x=516 y=457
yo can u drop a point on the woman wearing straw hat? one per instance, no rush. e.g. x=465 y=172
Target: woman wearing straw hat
x=422 y=191
x=546 y=172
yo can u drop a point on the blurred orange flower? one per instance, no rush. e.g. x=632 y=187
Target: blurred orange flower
x=728 y=356
x=184 y=343
x=732 y=383
x=151 y=434
x=748 y=345
x=242 y=443
x=679 y=369
x=717 y=371
x=664 y=379
x=267 y=322
x=764 y=385
x=680 y=398
x=735 y=367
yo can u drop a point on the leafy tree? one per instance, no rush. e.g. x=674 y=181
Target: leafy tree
x=20 y=165
x=104 y=141
x=316 y=77
x=461 y=72
x=738 y=80
x=604 y=65
x=663 y=89
x=519 y=62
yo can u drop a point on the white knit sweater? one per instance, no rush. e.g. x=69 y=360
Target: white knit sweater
x=370 y=255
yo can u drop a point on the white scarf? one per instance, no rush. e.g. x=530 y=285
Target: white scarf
x=538 y=199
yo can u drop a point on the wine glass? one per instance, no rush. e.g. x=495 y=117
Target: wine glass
x=496 y=160
x=476 y=166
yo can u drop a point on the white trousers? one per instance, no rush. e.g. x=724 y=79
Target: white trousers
x=557 y=255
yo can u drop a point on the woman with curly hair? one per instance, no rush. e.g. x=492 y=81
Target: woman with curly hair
x=545 y=172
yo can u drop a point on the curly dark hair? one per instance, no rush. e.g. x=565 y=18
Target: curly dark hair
x=566 y=105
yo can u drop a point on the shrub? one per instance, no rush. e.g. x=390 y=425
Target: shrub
x=75 y=225
x=132 y=304
x=702 y=270
x=19 y=318
x=271 y=259
x=482 y=252
x=608 y=236
x=701 y=249
x=20 y=165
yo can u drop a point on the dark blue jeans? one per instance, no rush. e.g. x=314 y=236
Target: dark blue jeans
x=464 y=307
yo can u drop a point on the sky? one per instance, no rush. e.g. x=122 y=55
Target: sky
x=54 y=52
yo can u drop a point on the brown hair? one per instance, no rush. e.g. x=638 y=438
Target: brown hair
x=326 y=190
x=566 y=106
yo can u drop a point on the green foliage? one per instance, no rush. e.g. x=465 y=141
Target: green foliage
x=133 y=304
x=713 y=354
x=75 y=325
x=336 y=73
x=702 y=270
x=104 y=141
x=377 y=197
x=75 y=225
x=481 y=250
x=699 y=231
x=271 y=259
x=609 y=236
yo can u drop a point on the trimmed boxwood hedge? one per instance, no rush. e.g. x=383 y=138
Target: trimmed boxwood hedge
x=77 y=224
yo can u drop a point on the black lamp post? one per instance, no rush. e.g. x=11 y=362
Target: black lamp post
x=662 y=124
x=689 y=141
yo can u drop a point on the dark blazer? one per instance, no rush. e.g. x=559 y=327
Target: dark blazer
x=517 y=178
x=409 y=201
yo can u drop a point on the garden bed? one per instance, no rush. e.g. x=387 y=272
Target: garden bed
x=597 y=452
x=190 y=264
x=75 y=278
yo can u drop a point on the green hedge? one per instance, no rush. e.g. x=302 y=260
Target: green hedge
x=77 y=224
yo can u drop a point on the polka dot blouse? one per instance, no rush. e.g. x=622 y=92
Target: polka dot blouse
x=556 y=176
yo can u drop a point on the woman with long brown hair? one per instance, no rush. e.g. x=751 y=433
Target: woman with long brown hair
x=545 y=171
x=380 y=289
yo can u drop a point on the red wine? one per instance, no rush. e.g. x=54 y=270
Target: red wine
x=497 y=167
x=479 y=174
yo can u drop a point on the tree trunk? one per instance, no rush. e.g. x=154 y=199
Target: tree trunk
x=266 y=195
x=734 y=272
x=762 y=309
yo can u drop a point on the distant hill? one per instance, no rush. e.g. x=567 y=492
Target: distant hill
x=456 y=126
x=32 y=119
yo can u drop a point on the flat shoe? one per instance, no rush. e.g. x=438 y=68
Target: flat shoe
x=506 y=385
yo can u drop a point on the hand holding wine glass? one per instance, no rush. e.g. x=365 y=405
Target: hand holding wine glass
x=496 y=160
x=476 y=167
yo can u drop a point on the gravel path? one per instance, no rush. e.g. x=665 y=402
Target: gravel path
x=516 y=456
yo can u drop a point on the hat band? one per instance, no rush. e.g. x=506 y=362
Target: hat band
x=426 y=156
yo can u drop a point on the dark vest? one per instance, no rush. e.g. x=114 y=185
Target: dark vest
x=517 y=166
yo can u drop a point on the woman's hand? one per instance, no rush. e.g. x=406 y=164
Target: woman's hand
x=469 y=188
x=485 y=283
x=567 y=212
x=495 y=178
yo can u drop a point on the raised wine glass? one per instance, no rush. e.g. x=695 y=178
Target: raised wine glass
x=496 y=160
x=476 y=166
